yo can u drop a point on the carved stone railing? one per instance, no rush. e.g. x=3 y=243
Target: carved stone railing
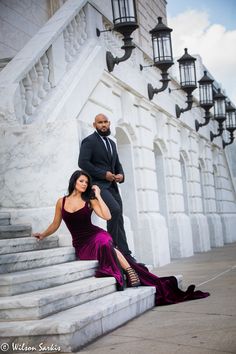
x=74 y=36
x=27 y=81
x=34 y=87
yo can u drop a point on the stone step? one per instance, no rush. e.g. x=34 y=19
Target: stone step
x=27 y=260
x=5 y=218
x=42 y=303
x=17 y=230
x=41 y=278
x=24 y=244
x=73 y=328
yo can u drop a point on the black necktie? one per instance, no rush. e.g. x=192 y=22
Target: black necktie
x=108 y=147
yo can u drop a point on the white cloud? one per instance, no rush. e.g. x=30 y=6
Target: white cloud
x=212 y=42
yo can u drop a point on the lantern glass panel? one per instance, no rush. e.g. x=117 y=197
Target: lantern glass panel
x=219 y=108
x=162 y=50
x=206 y=94
x=231 y=119
x=187 y=74
x=234 y=119
x=123 y=11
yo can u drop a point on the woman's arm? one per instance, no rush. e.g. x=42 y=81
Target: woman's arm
x=54 y=225
x=99 y=206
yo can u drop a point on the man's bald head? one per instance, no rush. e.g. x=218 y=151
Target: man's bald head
x=102 y=124
x=100 y=116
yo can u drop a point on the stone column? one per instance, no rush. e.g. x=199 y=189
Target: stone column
x=200 y=230
x=228 y=206
x=153 y=232
x=180 y=234
x=213 y=218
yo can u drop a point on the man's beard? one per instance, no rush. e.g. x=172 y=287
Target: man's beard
x=104 y=133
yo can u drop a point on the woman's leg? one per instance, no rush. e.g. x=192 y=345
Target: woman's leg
x=123 y=262
x=132 y=276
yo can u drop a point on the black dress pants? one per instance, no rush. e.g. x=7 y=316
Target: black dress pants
x=115 y=226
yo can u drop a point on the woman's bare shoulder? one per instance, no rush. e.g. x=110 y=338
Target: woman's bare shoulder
x=59 y=202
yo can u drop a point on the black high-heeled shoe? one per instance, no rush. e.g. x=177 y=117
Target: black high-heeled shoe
x=132 y=277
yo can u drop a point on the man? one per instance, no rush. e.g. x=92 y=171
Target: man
x=98 y=156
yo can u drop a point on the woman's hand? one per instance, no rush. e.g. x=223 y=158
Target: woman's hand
x=54 y=225
x=39 y=236
x=98 y=205
x=96 y=190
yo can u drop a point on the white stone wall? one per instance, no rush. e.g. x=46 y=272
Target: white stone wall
x=231 y=155
x=178 y=196
x=148 y=12
x=19 y=21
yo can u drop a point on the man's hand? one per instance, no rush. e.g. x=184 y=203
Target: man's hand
x=110 y=176
x=119 y=178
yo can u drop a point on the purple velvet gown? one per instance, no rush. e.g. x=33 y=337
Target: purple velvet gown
x=93 y=243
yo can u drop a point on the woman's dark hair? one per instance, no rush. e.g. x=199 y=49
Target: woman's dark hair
x=89 y=193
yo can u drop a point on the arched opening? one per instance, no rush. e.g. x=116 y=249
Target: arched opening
x=184 y=183
x=161 y=181
x=202 y=186
x=128 y=188
x=217 y=189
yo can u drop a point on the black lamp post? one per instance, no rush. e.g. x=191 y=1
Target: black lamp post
x=206 y=98
x=125 y=22
x=162 y=55
x=187 y=80
x=230 y=122
x=219 y=113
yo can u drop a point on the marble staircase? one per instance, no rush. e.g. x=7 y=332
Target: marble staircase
x=51 y=302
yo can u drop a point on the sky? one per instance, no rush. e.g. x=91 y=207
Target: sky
x=207 y=28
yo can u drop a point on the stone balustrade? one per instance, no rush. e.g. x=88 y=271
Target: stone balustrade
x=32 y=74
x=74 y=36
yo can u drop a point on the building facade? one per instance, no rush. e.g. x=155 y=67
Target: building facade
x=179 y=195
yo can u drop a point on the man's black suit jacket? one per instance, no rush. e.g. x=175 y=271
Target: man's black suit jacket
x=94 y=159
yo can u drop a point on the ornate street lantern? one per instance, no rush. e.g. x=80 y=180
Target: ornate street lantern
x=230 y=123
x=125 y=22
x=187 y=80
x=124 y=15
x=162 y=54
x=219 y=113
x=206 y=98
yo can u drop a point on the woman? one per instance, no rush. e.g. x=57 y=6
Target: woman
x=91 y=242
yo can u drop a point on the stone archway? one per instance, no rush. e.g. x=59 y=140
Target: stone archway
x=199 y=219
x=161 y=181
x=184 y=182
x=128 y=188
x=217 y=188
x=201 y=168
